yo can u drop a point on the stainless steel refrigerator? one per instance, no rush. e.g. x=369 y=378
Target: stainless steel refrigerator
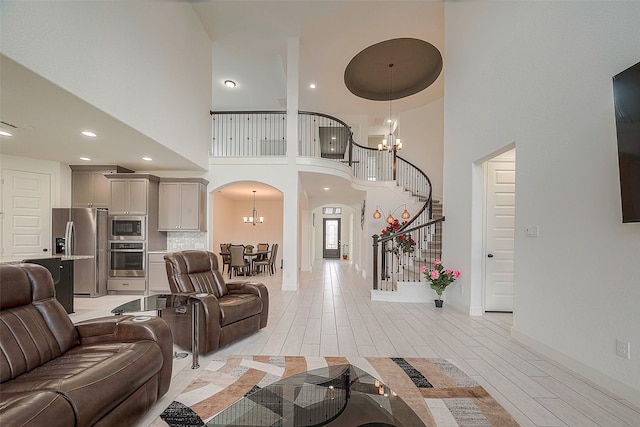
x=83 y=231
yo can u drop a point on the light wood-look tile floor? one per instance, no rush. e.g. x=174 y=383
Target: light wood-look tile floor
x=332 y=314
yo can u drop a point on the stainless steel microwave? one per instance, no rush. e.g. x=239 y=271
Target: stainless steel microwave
x=127 y=227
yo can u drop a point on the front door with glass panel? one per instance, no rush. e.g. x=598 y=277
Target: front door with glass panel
x=331 y=238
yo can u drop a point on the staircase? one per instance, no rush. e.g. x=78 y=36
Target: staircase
x=404 y=282
x=433 y=249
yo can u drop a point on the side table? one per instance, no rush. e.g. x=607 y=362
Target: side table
x=162 y=302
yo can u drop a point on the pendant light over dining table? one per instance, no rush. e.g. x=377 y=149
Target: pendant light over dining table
x=254 y=218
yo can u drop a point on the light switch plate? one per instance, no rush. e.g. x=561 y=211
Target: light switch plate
x=531 y=231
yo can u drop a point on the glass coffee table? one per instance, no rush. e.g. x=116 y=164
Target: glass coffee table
x=341 y=395
x=161 y=302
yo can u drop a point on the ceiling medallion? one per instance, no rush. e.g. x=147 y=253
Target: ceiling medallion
x=416 y=65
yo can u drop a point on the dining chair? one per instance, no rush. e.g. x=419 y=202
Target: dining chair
x=238 y=261
x=226 y=256
x=262 y=247
x=269 y=263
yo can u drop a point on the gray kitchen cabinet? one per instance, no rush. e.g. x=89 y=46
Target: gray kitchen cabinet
x=128 y=196
x=90 y=187
x=182 y=205
x=157 y=274
x=125 y=284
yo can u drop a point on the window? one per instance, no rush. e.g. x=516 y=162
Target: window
x=331 y=211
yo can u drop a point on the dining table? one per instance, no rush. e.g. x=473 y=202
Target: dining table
x=252 y=257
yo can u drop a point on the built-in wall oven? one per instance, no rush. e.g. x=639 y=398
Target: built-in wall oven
x=127 y=227
x=127 y=259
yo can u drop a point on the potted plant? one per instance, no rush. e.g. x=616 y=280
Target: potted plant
x=249 y=248
x=439 y=279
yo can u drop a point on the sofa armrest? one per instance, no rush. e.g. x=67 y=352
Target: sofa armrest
x=101 y=326
x=125 y=329
x=247 y=287
x=121 y=328
x=255 y=288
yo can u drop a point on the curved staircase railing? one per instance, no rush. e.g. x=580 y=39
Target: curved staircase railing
x=263 y=134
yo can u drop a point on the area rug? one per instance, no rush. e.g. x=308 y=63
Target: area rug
x=439 y=392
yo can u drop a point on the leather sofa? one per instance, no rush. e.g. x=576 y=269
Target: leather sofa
x=228 y=310
x=102 y=372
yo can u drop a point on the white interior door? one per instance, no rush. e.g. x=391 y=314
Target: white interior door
x=500 y=232
x=26 y=213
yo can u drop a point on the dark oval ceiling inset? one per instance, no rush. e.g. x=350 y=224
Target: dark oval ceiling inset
x=416 y=65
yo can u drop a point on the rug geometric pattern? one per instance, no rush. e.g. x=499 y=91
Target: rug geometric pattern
x=439 y=392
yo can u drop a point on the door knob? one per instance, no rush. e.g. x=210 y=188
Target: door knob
x=490 y=256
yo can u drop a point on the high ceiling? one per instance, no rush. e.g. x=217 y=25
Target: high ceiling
x=249 y=47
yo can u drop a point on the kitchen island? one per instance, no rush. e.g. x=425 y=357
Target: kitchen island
x=61 y=269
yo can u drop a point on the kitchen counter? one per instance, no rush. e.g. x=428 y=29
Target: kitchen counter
x=20 y=259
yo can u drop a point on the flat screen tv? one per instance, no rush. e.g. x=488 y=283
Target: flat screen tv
x=626 y=95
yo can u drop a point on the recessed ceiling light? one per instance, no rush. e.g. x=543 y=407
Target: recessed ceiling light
x=333 y=138
x=326 y=189
x=147 y=159
x=5 y=133
x=89 y=134
x=230 y=84
x=86 y=159
x=312 y=85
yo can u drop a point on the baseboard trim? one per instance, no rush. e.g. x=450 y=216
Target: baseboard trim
x=615 y=386
x=407 y=292
x=476 y=310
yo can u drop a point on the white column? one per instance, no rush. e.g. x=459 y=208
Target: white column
x=290 y=218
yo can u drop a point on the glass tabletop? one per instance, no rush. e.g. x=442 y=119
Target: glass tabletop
x=153 y=302
x=341 y=395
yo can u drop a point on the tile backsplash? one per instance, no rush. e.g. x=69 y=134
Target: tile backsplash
x=181 y=240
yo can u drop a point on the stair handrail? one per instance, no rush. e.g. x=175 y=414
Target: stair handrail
x=381 y=245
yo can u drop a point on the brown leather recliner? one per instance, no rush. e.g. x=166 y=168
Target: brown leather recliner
x=102 y=372
x=229 y=311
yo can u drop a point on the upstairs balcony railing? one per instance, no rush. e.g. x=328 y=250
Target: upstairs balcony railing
x=263 y=134
x=249 y=134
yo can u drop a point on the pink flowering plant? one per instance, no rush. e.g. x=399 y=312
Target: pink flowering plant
x=439 y=277
x=403 y=243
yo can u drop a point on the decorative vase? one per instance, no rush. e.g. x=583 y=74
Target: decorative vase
x=438 y=302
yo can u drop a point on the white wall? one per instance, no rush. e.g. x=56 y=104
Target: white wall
x=147 y=64
x=422 y=134
x=539 y=74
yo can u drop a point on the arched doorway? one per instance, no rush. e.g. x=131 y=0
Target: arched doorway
x=232 y=203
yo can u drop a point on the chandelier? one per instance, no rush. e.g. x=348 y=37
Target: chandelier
x=254 y=218
x=391 y=143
